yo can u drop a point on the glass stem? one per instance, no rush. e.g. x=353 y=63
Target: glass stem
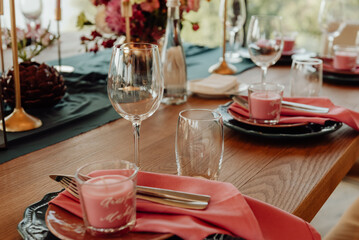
x=136 y=133
x=264 y=74
x=330 y=46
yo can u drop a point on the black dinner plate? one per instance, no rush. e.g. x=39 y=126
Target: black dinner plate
x=302 y=131
x=341 y=79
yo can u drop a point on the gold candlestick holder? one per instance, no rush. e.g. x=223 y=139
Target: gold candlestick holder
x=18 y=120
x=222 y=67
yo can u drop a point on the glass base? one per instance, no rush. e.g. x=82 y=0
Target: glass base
x=233 y=57
x=103 y=232
x=174 y=100
x=266 y=121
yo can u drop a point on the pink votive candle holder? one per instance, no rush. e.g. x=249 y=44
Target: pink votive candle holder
x=265 y=102
x=108 y=196
x=345 y=57
x=289 y=41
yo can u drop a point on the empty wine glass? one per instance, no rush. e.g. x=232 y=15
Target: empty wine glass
x=135 y=84
x=236 y=17
x=265 y=41
x=331 y=20
x=32 y=11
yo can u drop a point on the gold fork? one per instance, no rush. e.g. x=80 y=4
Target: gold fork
x=163 y=196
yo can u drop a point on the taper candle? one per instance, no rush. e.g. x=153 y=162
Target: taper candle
x=1 y=49
x=15 y=56
x=1 y=7
x=18 y=120
x=126 y=12
x=58 y=10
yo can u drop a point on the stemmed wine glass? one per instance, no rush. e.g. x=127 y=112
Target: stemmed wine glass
x=265 y=41
x=32 y=11
x=135 y=84
x=236 y=17
x=331 y=20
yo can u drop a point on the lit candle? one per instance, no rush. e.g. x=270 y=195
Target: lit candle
x=108 y=201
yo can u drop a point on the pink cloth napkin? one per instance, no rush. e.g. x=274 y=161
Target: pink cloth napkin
x=335 y=113
x=228 y=212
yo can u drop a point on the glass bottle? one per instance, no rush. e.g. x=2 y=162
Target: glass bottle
x=173 y=58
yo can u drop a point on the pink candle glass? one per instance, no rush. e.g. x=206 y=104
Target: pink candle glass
x=108 y=197
x=288 y=42
x=265 y=102
x=345 y=57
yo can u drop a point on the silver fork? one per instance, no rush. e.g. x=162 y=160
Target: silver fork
x=169 y=197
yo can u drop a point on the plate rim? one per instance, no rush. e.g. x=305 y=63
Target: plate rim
x=336 y=125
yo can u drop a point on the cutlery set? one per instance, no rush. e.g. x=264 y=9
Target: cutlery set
x=158 y=195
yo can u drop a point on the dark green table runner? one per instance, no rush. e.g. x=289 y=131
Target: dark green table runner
x=86 y=105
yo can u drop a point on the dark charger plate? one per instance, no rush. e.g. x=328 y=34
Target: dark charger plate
x=33 y=226
x=302 y=131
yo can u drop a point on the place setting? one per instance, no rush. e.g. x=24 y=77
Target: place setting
x=264 y=111
x=343 y=67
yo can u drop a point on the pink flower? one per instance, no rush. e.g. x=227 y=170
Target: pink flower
x=33 y=33
x=113 y=17
x=46 y=39
x=193 y=5
x=20 y=34
x=150 y=5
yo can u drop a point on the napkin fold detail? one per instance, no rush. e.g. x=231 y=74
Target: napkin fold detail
x=336 y=113
x=228 y=212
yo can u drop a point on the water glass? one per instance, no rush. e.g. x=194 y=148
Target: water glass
x=306 y=77
x=265 y=102
x=108 y=198
x=199 y=143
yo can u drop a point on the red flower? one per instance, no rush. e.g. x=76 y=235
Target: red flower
x=95 y=48
x=95 y=34
x=84 y=39
x=100 y=2
x=195 y=26
x=108 y=43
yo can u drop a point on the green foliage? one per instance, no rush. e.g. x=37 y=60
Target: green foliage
x=82 y=21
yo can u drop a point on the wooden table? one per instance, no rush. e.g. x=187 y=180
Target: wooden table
x=297 y=175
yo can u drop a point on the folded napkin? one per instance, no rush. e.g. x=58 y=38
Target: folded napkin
x=228 y=212
x=335 y=113
x=215 y=83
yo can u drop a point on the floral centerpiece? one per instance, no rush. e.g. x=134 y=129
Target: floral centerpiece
x=41 y=84
x=147 y=24
x=31 y=41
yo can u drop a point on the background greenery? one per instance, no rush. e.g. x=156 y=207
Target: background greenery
x=298 y=15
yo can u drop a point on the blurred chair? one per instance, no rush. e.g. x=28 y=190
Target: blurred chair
x=347 y=36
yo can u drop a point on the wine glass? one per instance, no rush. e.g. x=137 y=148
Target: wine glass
x=265 y=41
x=31 y=9
x=331 y=20
x=135 y=84
x=236 y=17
